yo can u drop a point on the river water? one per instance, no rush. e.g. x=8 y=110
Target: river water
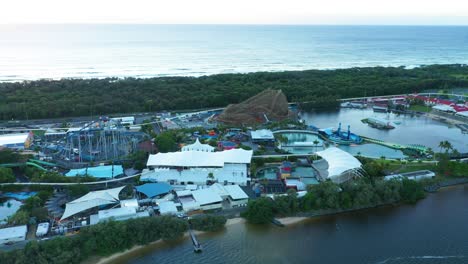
x=432 y=231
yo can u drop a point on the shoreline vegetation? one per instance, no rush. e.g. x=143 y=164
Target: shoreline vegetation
x=135 y=249
x=288 y=221
x=108 y=238
x=321 y=88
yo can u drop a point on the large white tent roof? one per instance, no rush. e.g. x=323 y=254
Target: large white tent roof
x=13 y=138
x=92 y=199
x=197 y=146
x=265 y=134
x=200 y=159
x=339 y=161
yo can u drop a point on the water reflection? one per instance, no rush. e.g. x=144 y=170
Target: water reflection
x=411 y=129
x=391 y=234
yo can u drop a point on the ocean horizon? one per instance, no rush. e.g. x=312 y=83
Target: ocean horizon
x=56 y=51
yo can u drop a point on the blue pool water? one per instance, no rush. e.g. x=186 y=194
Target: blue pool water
x=19 y=195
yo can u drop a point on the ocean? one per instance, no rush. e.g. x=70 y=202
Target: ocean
x=30 y=52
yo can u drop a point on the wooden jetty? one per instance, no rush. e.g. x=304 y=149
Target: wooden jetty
x=197 y=247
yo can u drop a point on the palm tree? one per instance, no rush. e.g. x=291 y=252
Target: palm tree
x=445 y=145
x=448 y=146
x=316 y=142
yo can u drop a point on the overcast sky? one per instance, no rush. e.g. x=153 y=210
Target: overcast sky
x=390 y=12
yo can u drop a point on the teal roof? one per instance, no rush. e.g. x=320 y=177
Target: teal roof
x=98 y=172
x=154 y=189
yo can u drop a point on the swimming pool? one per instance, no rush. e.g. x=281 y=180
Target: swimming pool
x=8 y=208
x=268 y=173
x=19 y=195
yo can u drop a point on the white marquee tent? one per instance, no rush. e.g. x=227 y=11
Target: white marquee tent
x=92 y=199
x=197 y=146
x=199 y=158
x=339 y=163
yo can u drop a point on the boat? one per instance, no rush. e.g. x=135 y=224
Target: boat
x=379 y=123
x=340 y=137
x=358 y=105
x=378 y=108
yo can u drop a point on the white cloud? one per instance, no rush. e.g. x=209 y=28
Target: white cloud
x=236 y=11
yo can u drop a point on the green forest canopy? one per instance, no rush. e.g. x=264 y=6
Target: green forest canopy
x=78 y=97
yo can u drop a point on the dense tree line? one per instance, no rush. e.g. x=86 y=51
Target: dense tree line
x=6 y=175
x=76 y=97
x=98 y=240
x=9 y=156
x=208 y=222
x=328 y=195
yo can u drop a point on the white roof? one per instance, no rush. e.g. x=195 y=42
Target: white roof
x=124 y=118
x=92 y=199
x=13 y=232
x=42 y=229
x=444 y=108
x=184 y=193
x=167 y=207
x=129 y=203
x=219 y=189
x=338 y=161
x=7 y=139
x=200 y=159
x=190 y=205
x=235 y=192
x=298 y=184
x=206 y=196
x=197 y=146
x=262 y=134
x=191 y=187
x=116 y=212
x=464 y=113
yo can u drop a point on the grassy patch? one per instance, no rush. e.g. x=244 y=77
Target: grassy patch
x=38 y=133
x=460 y=76
x=420 y=108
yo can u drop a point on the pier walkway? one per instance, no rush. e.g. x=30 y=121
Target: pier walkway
x=416 y=147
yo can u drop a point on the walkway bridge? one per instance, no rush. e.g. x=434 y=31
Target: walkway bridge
x=295 y=131
x=416 y=147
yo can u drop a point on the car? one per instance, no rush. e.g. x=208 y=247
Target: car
x=181 y=215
